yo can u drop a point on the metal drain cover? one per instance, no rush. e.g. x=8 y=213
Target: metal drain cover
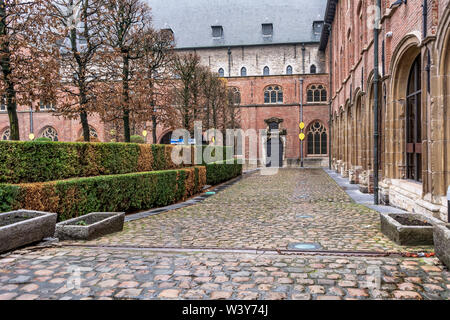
x=304 y=246
x=304 y=217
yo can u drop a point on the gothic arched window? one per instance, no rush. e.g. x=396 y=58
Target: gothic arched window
x=273 y=94
x=243 y=72
x=235 y=95
x=317 y=93
x=6 y=135
x=221 y=73
x=317 y=139
x=313 y=69
x=51 y=133
x=266 y=71
x=289 y=70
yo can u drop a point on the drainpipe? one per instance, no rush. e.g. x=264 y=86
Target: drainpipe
x=229 y=61
x=425 y=18
x=330 y=123
x=376 y=103
x=301 y=120
x=31 y=121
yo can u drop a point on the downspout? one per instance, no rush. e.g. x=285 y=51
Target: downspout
x=425 y=18
x=301 y=120
x=229 y=61
x=376 y=103
x=330 y=111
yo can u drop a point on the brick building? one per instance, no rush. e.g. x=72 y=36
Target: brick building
x=413 y=118
x=263 y=49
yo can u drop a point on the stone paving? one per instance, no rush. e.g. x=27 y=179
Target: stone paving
x=266 y=212
x=257 y=212
x=62 y=273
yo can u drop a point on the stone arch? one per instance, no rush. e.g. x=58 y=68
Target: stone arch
x=404 y=56
x=165 y=137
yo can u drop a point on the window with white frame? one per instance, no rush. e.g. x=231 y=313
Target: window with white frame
x=273 y=94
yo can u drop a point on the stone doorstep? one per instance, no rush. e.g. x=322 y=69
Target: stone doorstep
x=411 y=187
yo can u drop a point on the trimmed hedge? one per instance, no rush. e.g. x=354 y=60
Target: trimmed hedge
x=27 y=162
x=126 y=192
x=219 y=172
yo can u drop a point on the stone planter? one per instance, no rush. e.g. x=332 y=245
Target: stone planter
x=405 y=234
x=442 y=243
x=90 y=226
x=19 y=228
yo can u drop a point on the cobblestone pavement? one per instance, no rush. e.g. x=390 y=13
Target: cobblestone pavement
x=62 y=273
x=257 y=212
x=266 y=212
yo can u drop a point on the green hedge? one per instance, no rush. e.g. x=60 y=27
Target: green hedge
x=219 y=172
x=116 y=193
x=26 y=162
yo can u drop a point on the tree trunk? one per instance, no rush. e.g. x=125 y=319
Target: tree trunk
x=126 y=97
x=85 y=125
x=5 y=62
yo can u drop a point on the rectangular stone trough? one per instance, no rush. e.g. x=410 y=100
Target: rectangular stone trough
x=442 y=243
x=408 y=235
x=90 y=226
x=23 y=227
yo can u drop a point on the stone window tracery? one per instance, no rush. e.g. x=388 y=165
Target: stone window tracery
x=317 y=139
x=317 y=93
x=273 y=94
x=50 y=133
x=6 y=135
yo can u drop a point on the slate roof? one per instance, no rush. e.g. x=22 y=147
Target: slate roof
x=191 y=21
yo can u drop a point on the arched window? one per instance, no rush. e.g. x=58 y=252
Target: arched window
x=289 y=70
x=273 y=94
x=266 y=71
x=243 y=72
x=235 y=95
x=317 y=93
x=6 y=135
x=414 y=122
x=317 y=139
x=92 y=132
x=313 y=69
x=221 y=73
x=51 y=133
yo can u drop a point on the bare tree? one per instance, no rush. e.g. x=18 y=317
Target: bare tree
x=127 y=22
x=190 y=75
x=27 y=53
x=83 y=55
x=155 y=73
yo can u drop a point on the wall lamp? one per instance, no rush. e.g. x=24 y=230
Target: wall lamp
x=398 y=3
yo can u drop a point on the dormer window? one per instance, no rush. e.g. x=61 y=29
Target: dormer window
x=267 y=29
x=317 y=27
x=217 y=32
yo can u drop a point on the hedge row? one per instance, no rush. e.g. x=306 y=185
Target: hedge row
x=115 y=193
x=219 y=172
x=26 y=162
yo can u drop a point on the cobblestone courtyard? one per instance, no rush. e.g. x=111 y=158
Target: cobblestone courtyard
x=259 y=212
